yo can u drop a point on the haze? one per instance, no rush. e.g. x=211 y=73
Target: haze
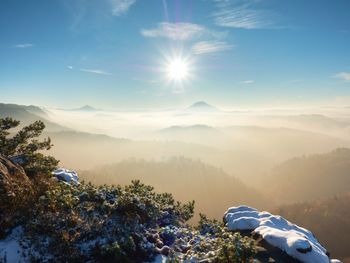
x=225 y=102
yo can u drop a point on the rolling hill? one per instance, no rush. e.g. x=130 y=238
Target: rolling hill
x=29 y=114
x=310 y=177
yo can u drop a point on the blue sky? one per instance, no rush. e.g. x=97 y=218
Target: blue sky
x=112 y=53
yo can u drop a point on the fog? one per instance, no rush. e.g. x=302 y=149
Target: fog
x=140 y=125
x=228 y=139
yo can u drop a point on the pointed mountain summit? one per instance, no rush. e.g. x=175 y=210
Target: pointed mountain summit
x=86 y=108
x=202 y=106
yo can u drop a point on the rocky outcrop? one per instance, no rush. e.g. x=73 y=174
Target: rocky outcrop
x=15 y=189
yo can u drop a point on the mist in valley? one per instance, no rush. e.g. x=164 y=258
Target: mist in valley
x=246 y=144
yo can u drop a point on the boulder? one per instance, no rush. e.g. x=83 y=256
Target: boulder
x=280 y=238
x=15 y=189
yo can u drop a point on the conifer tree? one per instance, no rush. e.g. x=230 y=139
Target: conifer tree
x=25 y=148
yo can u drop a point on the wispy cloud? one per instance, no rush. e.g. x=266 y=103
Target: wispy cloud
x=250 y=81
x=70 y=67
x=241 y=15
x=343 y=75
x=120 y=7
x=147 y=81
x=204 y=47
x=24 y=45
x=175 y=31
x=95 y=71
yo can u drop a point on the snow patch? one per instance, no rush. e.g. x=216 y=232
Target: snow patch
x=296 y=241
x=10 y=248
x=160 y=259
x=66 y=175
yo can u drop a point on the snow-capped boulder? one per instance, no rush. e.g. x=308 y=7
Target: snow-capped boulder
x=296 y=241
x=66 y=175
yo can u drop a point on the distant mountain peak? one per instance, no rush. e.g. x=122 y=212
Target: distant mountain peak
x=86 y=108
x=202 y=106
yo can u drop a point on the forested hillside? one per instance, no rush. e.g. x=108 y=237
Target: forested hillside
x=328 y=219
x=187 y=179
x=310 y=177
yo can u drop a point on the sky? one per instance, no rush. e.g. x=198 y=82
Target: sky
x=115 y=54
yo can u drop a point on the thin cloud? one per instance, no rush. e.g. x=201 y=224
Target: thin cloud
x=241 y=16
x=95 y=71
x=175 y=31
x=24 y=45
x=148 y=81
x=204 y=47
x=121 y=7
x=250 y=81
x=70 y=67
x=343 y=75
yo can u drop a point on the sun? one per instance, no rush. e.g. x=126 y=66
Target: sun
x=178 y=69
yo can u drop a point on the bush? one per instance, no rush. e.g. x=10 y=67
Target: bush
x=111 y=222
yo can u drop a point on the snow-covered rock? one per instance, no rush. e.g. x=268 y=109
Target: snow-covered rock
x=66 y=175
x=296 y=241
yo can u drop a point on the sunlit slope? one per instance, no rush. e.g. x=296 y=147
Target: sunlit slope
x=310 y=177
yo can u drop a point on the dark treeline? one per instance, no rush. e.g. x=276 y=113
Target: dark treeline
x=328 y=219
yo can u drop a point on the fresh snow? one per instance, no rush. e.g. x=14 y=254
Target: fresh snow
x=160 y=259
x=10 y=248
x=66 y=175
x=296 y=241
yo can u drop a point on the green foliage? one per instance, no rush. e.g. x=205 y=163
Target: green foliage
x=119 y=252
x=118 y=218
x=206 y=225
x=25 y=145
x=239 y=249
x=218 y=245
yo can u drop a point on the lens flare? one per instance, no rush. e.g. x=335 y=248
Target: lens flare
x=177 y=69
